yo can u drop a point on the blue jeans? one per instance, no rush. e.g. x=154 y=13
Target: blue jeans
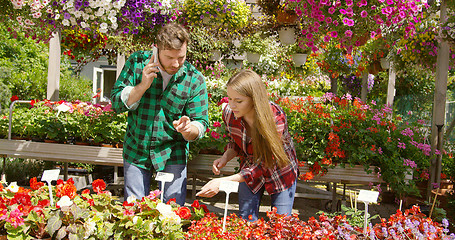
x=249 y=202
x=137 y=182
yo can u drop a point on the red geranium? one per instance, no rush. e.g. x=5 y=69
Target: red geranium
x=98 y=185
x=183 y=212
x=14 y=98
x=34 y=184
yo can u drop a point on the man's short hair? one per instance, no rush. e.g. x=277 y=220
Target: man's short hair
x=172 y=36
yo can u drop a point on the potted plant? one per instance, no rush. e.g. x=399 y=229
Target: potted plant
x=299 y=54
x=232 y=15
x=254 y=45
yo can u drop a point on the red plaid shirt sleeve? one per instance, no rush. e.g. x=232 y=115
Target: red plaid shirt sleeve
x=256 y=176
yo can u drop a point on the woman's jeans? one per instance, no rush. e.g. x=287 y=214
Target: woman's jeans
x=249 y=202
x=137 y=182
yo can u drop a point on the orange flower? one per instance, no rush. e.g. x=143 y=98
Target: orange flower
x=34 y=184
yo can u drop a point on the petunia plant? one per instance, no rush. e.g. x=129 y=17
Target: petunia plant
x=351 y=22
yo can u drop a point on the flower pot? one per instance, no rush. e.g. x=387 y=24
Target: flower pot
x=287 y=36
x=299 y=58
x=215 y=55
x=253 y=57
x=374 y=68
x=286 y=17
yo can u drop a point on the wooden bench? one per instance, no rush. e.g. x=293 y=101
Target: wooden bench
x=200 y=168
x=63 y=153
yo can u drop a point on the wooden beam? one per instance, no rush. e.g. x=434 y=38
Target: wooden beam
x=391 y=85
x=439 y=105
x=53 y=71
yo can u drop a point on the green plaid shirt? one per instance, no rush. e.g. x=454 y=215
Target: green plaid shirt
x=151 y=140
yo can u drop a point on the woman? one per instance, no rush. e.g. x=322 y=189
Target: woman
x=259 y=137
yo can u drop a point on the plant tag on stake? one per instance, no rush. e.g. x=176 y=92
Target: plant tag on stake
x=49 y=176
x=367 y=197
x=163 y=178
x=228 y=187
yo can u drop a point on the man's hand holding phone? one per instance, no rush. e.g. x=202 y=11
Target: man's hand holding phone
x=150 y=70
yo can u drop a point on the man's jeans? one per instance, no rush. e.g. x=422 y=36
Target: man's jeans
x=249 y=202
x=137 y=182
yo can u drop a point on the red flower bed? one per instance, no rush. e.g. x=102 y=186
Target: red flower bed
x=412 y=224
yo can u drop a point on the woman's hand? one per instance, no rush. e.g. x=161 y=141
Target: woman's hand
x=210 y=189
x=218 y=164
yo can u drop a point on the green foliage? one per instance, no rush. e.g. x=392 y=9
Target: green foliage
x=337 y=131
x=21 y=170
x=203 y=41
x=5 y=95
x=354 y=217
x=74 y=88
x=255 y=43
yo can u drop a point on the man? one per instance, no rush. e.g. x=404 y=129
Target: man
x=167 y=103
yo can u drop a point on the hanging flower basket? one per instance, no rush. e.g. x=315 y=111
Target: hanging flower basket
x=215 y=55
x=299 y=58
x=252 y=57
x=286 y=16
x=287 y=35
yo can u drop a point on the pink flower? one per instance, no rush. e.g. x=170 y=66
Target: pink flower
x=349 y=22
x=216 y=124
x=348 y=33
x=334 y=34
x=15 y=218
x=364 y=14
x=215 y=135
x=223 y=100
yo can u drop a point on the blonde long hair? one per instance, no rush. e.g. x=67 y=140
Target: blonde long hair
x=267 y=143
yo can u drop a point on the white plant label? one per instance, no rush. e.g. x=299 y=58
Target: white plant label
x=164 y=177
x=368 y=196
x=50 y=175
x=229 y=186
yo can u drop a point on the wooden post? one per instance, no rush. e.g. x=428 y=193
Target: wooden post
x=334 y=85
x=120 y=63
x=391 y=85
x=53 y=71
x=439 y=106
x=363 y=93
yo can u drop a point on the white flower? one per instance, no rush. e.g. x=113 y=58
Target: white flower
x=66 y=22
x=167 y=215
x=90 y=227
x=77 y=14
x=36 y=15
x=84 y=25
x=135 y=219
x=64 y=201
x=13 y=187
x=103 y=27
x=131 y=199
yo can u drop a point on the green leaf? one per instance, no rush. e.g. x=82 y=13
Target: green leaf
x=61 y=233
x=53 y=224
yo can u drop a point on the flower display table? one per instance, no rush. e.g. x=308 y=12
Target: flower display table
x=63 y=153
x=201 y=168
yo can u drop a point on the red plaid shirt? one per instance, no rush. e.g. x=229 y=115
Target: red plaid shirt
x=256 y=175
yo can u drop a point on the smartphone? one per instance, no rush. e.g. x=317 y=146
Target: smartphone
x=155 y=54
